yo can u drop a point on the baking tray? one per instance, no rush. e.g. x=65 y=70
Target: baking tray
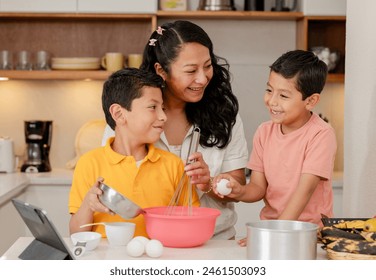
x=328 y=222
x=333 y=255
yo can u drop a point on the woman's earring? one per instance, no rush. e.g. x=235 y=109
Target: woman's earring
x=164 y=84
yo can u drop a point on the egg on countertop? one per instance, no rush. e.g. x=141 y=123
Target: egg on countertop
x=140 y=244
x=143 y=239
x=135 y=248
x=154 y=248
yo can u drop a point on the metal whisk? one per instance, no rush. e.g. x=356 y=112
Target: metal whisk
x=172 y=206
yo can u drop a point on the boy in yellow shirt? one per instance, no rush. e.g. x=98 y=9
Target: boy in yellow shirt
x=129 y=162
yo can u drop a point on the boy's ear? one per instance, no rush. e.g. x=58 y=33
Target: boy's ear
x=159 y=70
x=312 y=101
x=117 y=113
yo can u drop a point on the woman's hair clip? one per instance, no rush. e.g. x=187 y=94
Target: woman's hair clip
x=160 y=30
x=152 y=42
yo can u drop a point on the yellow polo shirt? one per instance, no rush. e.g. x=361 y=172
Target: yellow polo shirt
x=151 y=184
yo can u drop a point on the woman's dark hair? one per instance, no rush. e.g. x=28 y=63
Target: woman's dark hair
x=309 y=70
x=215 y=114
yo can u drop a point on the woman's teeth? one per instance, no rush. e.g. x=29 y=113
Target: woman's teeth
x=195 y=89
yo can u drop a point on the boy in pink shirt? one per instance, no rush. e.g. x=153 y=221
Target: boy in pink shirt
x=293 y=154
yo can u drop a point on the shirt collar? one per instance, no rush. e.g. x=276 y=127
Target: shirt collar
x=153 y=155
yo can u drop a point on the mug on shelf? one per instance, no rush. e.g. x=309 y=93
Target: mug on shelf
x=6 y=61
x=113 y=61
x=134 y=60
x=42 y=61
x=24 y=61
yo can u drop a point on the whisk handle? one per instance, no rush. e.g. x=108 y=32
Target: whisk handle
x=195 y=140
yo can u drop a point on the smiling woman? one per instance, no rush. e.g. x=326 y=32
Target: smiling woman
x=197 y=93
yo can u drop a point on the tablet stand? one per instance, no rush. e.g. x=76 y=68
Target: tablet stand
x=38 y=250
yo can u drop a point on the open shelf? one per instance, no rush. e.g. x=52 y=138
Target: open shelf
x=335 y=78
x=72 y=35
x=327 y=31
x=241 y=15
x=92 y=35
x=55 y=75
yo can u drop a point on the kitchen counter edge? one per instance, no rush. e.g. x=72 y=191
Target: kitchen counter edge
x=12 y=184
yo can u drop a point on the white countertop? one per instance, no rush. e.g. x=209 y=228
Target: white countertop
x=211 y=250
x=13 y=183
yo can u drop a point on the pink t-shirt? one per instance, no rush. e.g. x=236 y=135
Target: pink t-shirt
x=283 y=158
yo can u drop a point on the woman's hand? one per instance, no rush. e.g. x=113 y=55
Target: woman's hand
x=198 y=171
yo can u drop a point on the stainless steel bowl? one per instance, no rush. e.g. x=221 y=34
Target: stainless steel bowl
x=118 y=203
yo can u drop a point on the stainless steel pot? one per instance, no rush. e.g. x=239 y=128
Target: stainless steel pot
x=216 y=5
x=281 y=240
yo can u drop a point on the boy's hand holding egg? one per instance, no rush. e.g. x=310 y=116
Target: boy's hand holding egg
x=222 y=187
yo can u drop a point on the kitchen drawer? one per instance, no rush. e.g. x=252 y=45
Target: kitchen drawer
x=44 y=6
x=118 y=6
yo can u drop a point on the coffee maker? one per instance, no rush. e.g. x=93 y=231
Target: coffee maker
x=38 y=135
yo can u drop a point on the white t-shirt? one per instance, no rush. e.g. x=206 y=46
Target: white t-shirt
x=232 y=157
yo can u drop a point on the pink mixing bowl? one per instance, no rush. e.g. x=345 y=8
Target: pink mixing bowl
x=175 y=228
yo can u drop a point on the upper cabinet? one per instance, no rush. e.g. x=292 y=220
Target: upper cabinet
x=324 y=31
x=92 y=33
x=72 y=35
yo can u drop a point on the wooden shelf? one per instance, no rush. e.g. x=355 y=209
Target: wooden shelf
x=76 y=16
x=93 y=34
x=55 y=75
x=72 y=35
x=238 y=15
x=335 y=78
x=326 y=31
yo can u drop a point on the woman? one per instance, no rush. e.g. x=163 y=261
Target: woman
x=197 y=93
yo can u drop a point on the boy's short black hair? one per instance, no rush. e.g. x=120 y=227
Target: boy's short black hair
x=309 y=70
x=125 y=85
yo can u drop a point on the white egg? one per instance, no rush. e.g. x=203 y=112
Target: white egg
x=154 y=248
x=222 y=187
x=135 y=248
x=141 y=238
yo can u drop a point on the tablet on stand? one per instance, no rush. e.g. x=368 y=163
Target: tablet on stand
x=48 y=244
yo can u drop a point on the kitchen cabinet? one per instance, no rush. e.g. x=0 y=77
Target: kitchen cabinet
x=247 y=212
x=53 y=199
x=11 y=224
x=328 y=31
x=72 y=35
x=94 y=34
